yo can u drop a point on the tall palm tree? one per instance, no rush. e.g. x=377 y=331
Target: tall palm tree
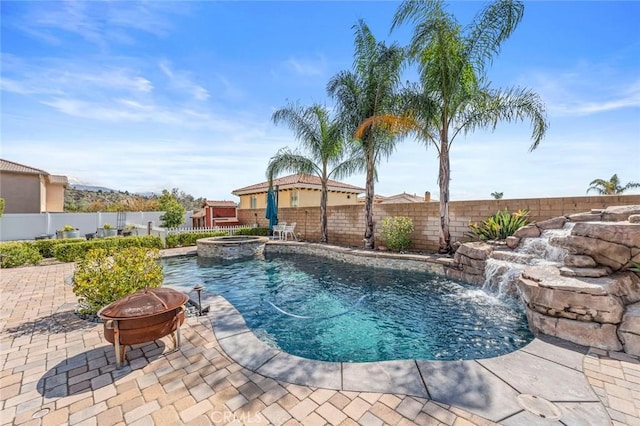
x=369 y=90
x=453 y=95
x=611 y=186
x=322 y=140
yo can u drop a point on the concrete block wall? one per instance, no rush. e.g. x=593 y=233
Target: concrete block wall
x=346 y=223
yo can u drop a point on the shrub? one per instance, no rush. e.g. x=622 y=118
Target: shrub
x=107 y=225
x=16 y=253
x=499 y=226
x=396 y=232
x=67 y=228
x=47 y=247
x=189 y=239
x=100 y=279
x=261 y=232
x=74 y=252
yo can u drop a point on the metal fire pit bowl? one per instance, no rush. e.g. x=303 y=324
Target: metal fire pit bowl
x=143 y=316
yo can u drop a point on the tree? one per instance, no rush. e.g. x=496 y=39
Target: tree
x=370 y=90
x=322 y=140
x=173 y=210
x=453 y=95
x=611 y=186
x=497 y=195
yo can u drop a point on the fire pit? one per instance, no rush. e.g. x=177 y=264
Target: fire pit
x=143 y=316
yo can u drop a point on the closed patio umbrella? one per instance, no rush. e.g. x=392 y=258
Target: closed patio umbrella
x=272 y=208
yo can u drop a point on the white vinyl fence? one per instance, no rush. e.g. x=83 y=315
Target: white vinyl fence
x=28 y=226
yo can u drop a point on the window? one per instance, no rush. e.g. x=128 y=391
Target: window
x=294 y=198
x=254 y=201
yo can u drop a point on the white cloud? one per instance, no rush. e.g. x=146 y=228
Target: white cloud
x=182 y=81
x=306 y=67
x=586 y=89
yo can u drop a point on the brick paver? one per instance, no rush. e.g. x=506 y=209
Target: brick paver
x=50 y=358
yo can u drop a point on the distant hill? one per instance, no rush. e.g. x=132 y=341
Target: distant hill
x=89 y=198
x=81 y=187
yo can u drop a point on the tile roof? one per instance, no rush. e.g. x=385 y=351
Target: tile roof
x=220 y=203
x=10 y=166
x=296 y=181
x=402 y=198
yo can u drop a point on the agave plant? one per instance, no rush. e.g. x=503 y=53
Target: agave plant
x=499 y=226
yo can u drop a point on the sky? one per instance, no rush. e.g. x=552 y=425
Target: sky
x=145 y=96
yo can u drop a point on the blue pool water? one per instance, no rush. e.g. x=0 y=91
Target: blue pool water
x=358 y=313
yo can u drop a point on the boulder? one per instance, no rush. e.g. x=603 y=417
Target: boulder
x=512 y=242
x=585 y=217
x=580 y=261
x=629 y=330
x=603 y=308
x=527 y=231
x=475 y=250
x=627 y=234
x=634 y=218
x=602 y=336
x=605 y=253
x=619 y=213
x=568 y=271
x=553 y=223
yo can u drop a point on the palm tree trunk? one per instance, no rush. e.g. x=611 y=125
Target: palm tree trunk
x=368 y=205
x=443 y=181
x=323 y=214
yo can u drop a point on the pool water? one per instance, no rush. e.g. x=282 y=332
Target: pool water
x=356 y=313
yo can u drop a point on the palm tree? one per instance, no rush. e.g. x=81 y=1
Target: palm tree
x=497 y=195
x=369 y=90
x=611 y=186
x=453 y=95
x=322 y=140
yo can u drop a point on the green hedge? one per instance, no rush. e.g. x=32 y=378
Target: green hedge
x=47 y=247
x=15 y=253
x=74 y=252
x=262 y=232
x=189 y=239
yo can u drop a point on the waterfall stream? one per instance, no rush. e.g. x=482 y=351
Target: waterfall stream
x=504 y=267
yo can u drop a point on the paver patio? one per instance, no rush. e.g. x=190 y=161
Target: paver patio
x=57 y=369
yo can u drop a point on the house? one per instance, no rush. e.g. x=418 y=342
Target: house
x=215 y=213
x=29 y=190
x=299 y=190
x=398 y=198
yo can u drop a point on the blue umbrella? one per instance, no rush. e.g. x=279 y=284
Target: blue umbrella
x=272 y=208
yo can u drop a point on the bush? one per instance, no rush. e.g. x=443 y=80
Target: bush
x=261 y=232
x=47 y=247
x=499 y=226
x=100 y=279
x=18 y=254
x=189 y=239
x=396 y=232
x=74 y=252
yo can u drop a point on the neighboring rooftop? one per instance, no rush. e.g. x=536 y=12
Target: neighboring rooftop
x=209 y=203
x=298 y=181
x=13 y=167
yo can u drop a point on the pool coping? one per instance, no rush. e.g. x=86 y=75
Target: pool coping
x=548 y=368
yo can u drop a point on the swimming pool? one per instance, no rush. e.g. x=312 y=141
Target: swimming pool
x=354 y=313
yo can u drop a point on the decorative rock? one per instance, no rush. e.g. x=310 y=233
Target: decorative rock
x=512 y=242
x=625 y=234
x=585 y=272
x=527 y=231
x=634 y=218
x=629 y=330
x=601 y=336
x=587 y=307
x=619 y=213
x=475 y=250
x=554 y=223
x=604 y=253
x=512 y=256
x=478 y=265
x=580 y=261
x=585 y=217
